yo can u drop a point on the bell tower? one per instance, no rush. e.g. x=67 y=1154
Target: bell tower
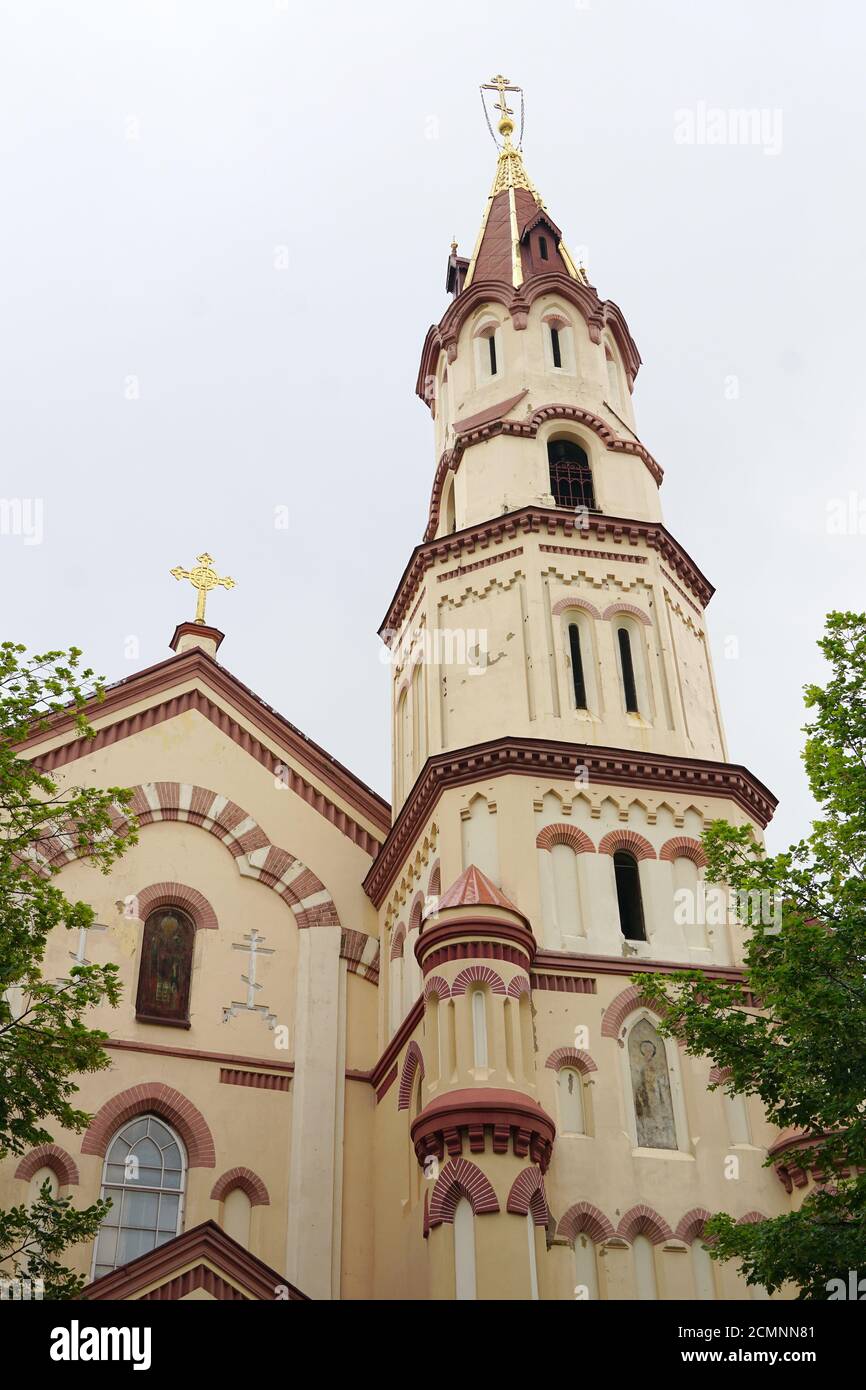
x=558 y=749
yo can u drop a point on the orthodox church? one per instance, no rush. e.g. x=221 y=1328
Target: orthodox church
x=372 y=1051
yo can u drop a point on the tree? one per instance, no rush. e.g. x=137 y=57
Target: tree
x=44 y=1042
x=800 y=1048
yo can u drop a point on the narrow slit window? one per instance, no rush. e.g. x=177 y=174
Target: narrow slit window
x=628 y=682
x=542 y=247
x=491 y=342
x=628 y=896
x=556 y=347
x=577 y=667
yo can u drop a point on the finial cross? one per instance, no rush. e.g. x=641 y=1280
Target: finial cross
x=202 y=577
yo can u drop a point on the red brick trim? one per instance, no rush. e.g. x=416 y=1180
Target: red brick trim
x=196 y=1054
x=189 y=900
x=398 y=937
x=479 y=564
x=618 y=1010
x=718 y=1075
x=484 y=1115
x=51 y=1156
x=683 y=847
x=425 y=1222
x=474 y=950
x=571 y=1057
x=415 y=913
x=461 y=1178
x=203 y=1247
x=563 y=984
x=248 y=1181
x=751 y=1218
x=480 y=975
x=518 y=985
x=436 y=985
x=585 y=1219
x=152 y=1097
x=166 y=676
x=412 y=1063
x=527 y=1194
x=564 y=834
x=628 y=840
x=385 y=1086
x=434 y=887
x=681 y=777
x=614 y=608
x=562 y=605
x=643 y=1221
x=394 y=1048
x=259 y=1080
x=473 y=937
x=691 y=1226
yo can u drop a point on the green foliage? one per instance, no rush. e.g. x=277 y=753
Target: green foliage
x=792 y=1034
x=44 y=1041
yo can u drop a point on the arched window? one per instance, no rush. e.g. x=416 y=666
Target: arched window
x=479 y=1028
x=702 y=1270
x=626 y=664
x=651 y=1088
x=237 y=1214
x=571 y=1119
x=449 y=511
x=628 y=896
x=612 y=380
x=570 y=475
x=555 y=346
x=738 y=1118
x=144 y=1178
x=464 y=1250
x=577 y=677
x=644 y=1268
x=487 y=352
x=585 y=1269
x=166 y=968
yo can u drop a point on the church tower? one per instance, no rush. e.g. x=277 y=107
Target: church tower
x=558 y=750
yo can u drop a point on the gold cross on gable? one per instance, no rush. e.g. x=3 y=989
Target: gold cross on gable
x=203 y=578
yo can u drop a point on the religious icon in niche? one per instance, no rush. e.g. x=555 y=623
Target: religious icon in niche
x=651 y=1088
x=166 y=966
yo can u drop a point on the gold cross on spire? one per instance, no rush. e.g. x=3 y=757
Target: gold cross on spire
x=203 y=578
x=502 y=85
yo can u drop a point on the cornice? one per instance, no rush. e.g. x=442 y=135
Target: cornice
x=197 y=664
x=540 y=521
x=536 y=757
x=484 y=1115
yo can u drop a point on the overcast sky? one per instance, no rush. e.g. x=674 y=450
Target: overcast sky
x=167 y=384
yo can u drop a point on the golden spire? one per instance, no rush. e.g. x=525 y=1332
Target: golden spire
x=203 y=578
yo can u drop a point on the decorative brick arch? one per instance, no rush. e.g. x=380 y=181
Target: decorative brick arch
x=248 y=1181
x=571 y=1057
x=152 y=1098
x=477 y=975
x=614 y=608
x=190 y=900
x=562 y=834
x=413 y=1062
x=562 y=605
x=436 y=985
x=691 y=1226
x=683 y=847
x=527 y=1194
x=397 y=939
x=718 y=1075
x=619 y=1009
x=415 y=914
x=51 y=1156
x=460 y=1178
x=628 y=840
x=518 y=986
x=434 y=887
x=583 y=1219
x=245 y=840
x=643 y=1221
x=751 y=1218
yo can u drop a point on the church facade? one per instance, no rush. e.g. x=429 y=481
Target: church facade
x=372 y=1051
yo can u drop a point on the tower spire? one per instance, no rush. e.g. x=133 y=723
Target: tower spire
x=512 y=204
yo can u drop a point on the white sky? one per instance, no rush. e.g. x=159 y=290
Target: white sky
x=154 y=155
